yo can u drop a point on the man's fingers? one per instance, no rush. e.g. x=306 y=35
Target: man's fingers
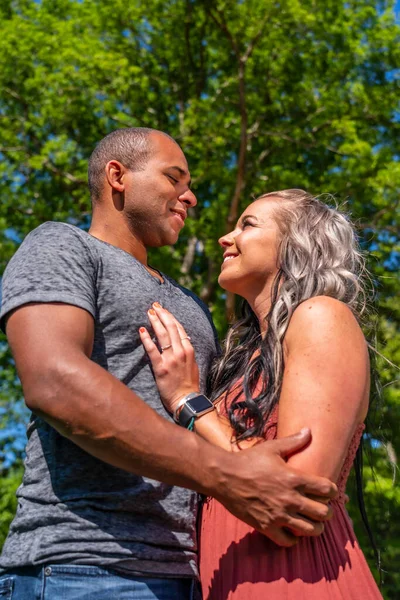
x=314 y=510
x=318 y=486
x=306 y=483
x=304 y=527
x=322 y=499
x=293 y=443
x=281 y=536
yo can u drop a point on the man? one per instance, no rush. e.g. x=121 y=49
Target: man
x=90 y=522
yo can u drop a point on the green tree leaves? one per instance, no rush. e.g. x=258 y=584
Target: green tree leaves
x=261 y=96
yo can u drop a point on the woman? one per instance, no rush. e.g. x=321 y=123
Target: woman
x=298 y=358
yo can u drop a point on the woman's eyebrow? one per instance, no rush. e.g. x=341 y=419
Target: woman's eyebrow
x=247 y=217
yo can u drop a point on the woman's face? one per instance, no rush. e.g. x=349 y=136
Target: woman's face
x=251 y=250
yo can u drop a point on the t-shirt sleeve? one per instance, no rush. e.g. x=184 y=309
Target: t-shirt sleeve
x=53 y=264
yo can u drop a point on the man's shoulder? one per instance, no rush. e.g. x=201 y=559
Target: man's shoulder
x=58 y=236
x=50 y=244
x=57 y=229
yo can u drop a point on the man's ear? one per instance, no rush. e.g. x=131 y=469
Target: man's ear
x=115 y=172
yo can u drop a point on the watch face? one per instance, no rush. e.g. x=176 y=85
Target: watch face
x=199 y=404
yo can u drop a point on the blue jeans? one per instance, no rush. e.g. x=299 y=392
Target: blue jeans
x=78 y=582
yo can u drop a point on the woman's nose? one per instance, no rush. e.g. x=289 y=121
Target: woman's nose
x=226 y=241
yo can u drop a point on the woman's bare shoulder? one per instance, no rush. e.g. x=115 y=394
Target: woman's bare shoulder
x=320 y=317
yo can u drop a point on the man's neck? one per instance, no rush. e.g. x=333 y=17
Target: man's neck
x=120 y=236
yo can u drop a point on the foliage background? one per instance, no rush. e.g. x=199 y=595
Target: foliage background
x=262 y=95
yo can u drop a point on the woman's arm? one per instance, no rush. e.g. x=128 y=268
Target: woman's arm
x=216 y=429
x=212 y=427
x=325 y=383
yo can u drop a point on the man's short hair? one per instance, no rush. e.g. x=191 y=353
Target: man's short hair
x=130 y=146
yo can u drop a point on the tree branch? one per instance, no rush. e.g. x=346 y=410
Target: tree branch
x=11 y=148
x=254 y=41
x=224 y=28
x=65 y=174
x=240 y=177
x=285 y=136
x=189 y=255
x=208 y=289
x=241 y=164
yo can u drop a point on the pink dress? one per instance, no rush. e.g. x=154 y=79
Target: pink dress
x=238 y=563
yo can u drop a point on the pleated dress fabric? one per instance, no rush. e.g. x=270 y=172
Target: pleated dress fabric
x=238 y=563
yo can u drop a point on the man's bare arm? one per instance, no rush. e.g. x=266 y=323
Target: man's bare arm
x=52 y=344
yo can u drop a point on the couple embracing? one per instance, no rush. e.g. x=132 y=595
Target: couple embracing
x=135 y=412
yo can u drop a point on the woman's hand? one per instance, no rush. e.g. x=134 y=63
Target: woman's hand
x=175 y=368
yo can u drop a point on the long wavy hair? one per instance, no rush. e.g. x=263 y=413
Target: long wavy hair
x=318 y=255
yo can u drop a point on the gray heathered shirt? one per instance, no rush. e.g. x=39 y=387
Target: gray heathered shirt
x=72 y=507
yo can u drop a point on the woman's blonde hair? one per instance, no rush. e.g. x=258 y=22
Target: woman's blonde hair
x=318 y=255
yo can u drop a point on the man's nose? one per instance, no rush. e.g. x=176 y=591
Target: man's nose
x=188 y=198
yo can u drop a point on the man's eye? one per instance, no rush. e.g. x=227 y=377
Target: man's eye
x=172 y=178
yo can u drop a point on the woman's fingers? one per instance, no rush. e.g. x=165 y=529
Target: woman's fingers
x=174 y=327
x=174 y=367
x=149 y=346
x=170 y=325
x=171 y=335
x=159 y=329
x=182 y=333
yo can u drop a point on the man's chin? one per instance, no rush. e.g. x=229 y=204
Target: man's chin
x=166 y=240
x=172 y=238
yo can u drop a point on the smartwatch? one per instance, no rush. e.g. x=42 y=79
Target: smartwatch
x=194 y=406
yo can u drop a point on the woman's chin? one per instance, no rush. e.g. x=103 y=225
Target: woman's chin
x=228 y=284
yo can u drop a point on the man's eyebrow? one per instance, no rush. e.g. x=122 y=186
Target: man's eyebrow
x=183 y=173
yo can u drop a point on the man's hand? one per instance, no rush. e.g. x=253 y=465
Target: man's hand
x=263 y=491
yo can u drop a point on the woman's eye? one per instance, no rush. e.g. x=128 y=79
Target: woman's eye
x=246 y=224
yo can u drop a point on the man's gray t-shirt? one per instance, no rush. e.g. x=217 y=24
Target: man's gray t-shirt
x=72 y=507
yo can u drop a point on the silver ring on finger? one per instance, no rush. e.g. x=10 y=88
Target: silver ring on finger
x=166 y=347
x=187 y=337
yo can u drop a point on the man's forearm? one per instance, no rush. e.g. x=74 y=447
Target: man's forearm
x=102 y=416
x=105 y=418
